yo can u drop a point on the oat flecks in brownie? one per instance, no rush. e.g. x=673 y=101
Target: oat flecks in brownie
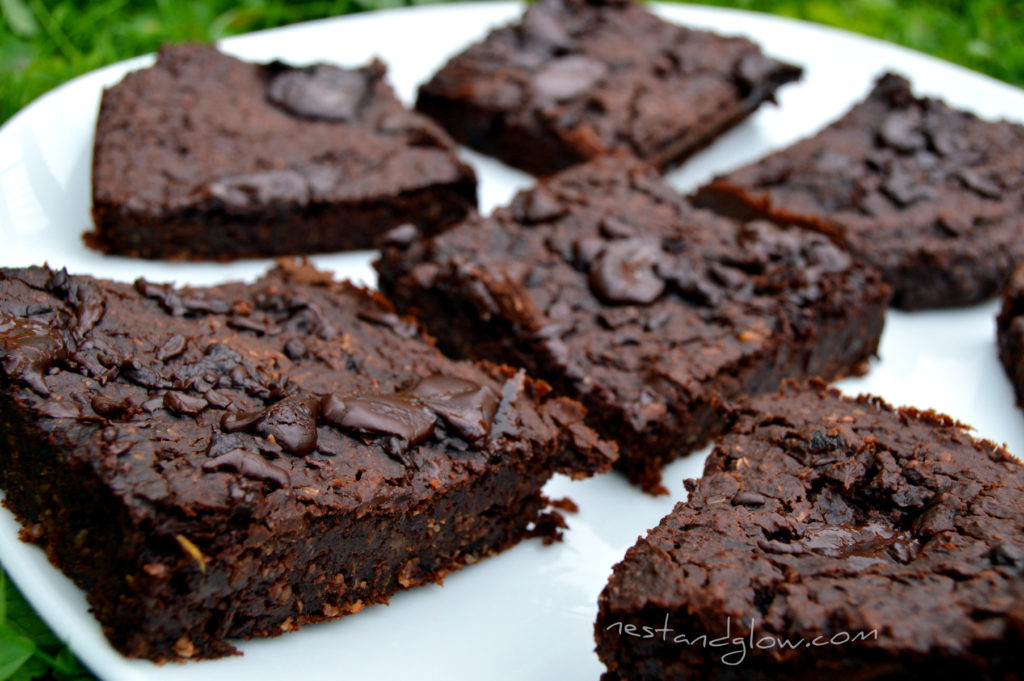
x=203 y=156
x=889 y=537
x=931 y=196
x=236 y=461
x=613 y=288
x=578 y=78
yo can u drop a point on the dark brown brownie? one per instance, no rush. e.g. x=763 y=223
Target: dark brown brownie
x=930 y=196
x=204 y=156
x=1010 y=332
x=578 y=78
x=829 y=538
x=609 y=285
x=241 y=460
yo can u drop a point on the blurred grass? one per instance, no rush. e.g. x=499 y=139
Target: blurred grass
x=43 y=44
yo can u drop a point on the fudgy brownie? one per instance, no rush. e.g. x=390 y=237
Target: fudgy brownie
x=829 y=538
x=930 y=196
x=241 y=460
x=578 y=78
x=203 y=156
x=612 y=287
x=1010 y=332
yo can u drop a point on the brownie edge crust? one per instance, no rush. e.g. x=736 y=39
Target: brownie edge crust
x=829 y=537
x=241 y=460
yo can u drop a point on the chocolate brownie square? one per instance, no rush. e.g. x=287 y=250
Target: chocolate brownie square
x=578 y=78
x=203 y=156
x=829 y=537
x=241 y=460
x=930 y=196
x=613 y=288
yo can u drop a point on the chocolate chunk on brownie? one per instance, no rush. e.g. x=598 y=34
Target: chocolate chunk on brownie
x=237 y=461
x=203 y=156
x=612 y=287
x=930 y=196
x=830 y=537
x=1010 y=332
x=578 y=78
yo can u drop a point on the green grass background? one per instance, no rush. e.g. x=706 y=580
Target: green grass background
x=43 y=44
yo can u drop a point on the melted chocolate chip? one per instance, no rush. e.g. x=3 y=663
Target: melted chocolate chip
x=419 y=131
x=977 y=182
x=690 y=283
x=295 y=349
x=401 y=327
x=616 y=228
x=467 y=407
x=174 y=346
x=256 y=190
x=905 y=190
x=262 y=328
x=537 y=206
x=237 y=421
x=27 y=350
x=292 y=423
x=111 y=409
x=216 y=399
x=624 y=272
x=748 y=499
x=567 y=77
x=162 y=293
x=397 y=415
x=250 y=465
x=900 y=131
x=321 y=91
x=541 y=26
x=183 y=403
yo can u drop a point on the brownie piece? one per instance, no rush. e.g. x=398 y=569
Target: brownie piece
x=241 y=460
x=829 y=538
x=930 y=196
x=1010 y=332
x=609 y=285
x=203 y=156
x=578 y=78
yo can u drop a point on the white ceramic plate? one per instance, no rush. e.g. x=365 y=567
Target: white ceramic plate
x=528 y=613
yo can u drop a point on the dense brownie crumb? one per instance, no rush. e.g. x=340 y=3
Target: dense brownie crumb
x=930 y=196
x=609 y=285
x=578 y=78
x=829 y=538
x=1010 y=332
x=203 y=156
x=237 y=461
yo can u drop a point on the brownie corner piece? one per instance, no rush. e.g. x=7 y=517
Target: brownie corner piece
x=205 y=157
x=574 y=79
x=829 y=537
x=241 y=460
x=929 y=195
x=613 y=288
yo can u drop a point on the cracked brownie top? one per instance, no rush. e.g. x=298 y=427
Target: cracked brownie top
x=820 y=514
